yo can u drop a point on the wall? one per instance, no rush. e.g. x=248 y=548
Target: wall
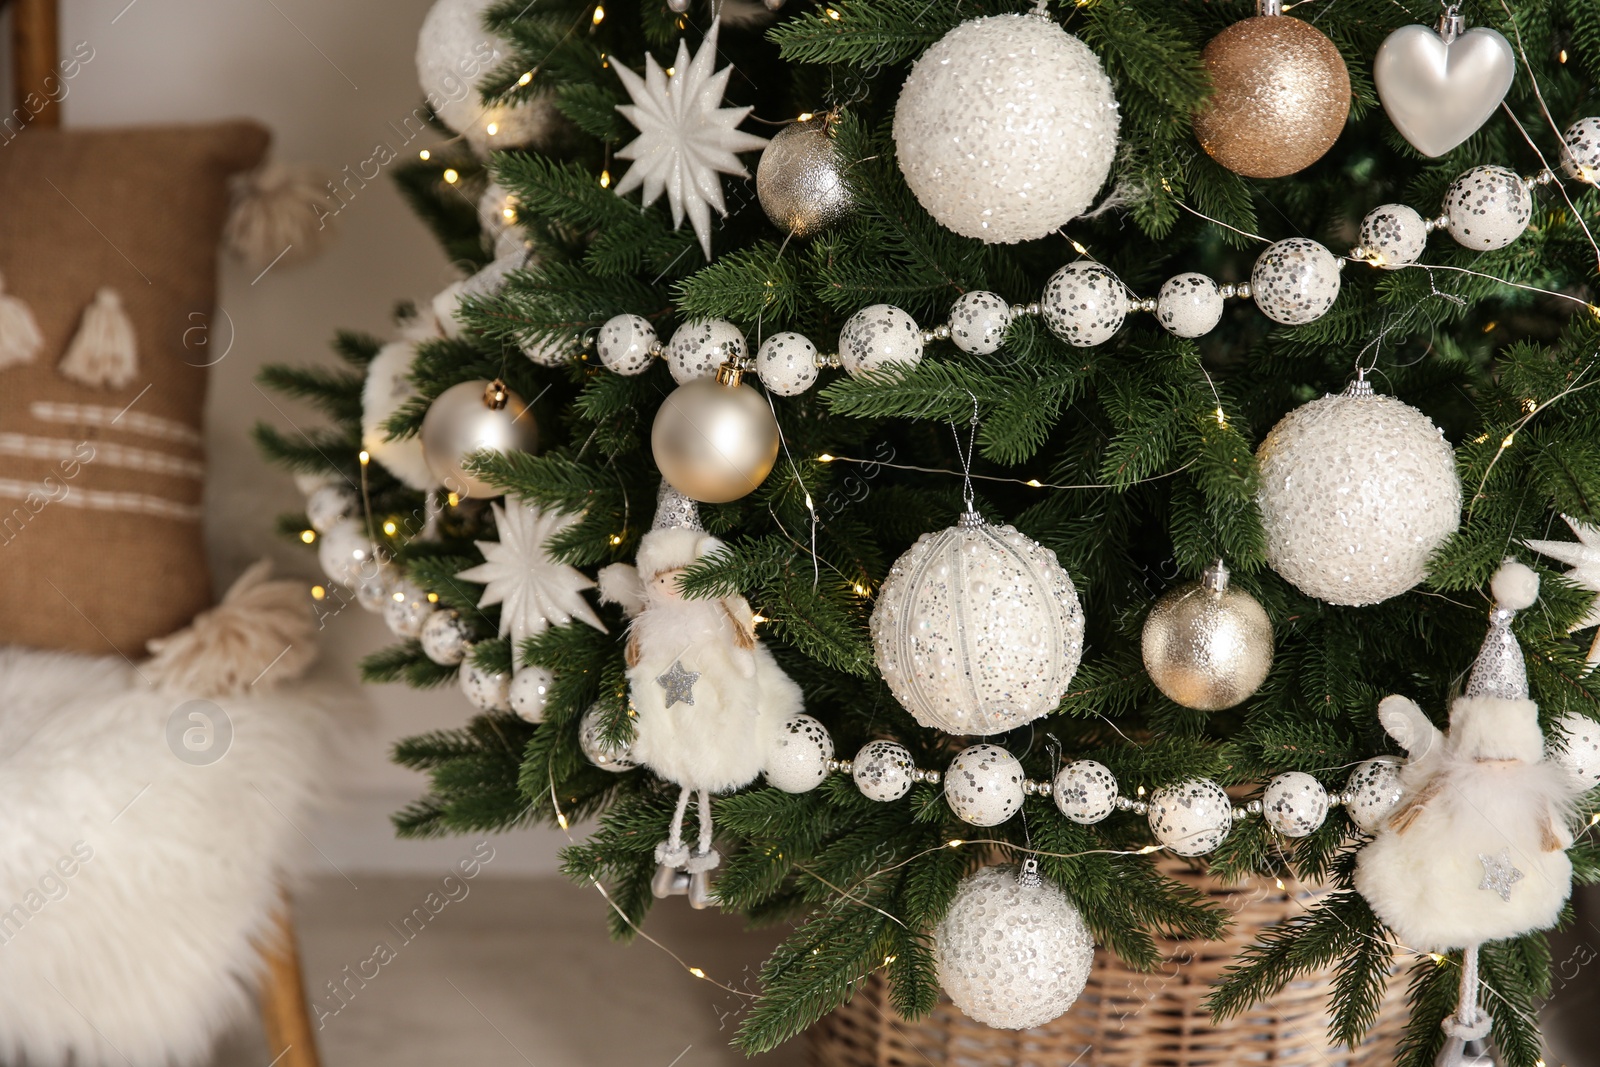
x=328 y=78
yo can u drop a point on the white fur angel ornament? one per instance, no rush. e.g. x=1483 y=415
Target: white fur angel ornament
x=711 y=704
x=1475 y=851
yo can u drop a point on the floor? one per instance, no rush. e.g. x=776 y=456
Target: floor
x=512 y=972
x=519 y=971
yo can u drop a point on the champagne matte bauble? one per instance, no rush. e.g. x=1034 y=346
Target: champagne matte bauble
x=1208 y=646
x=1280 y=96
x=715 y=439
x=474 y=417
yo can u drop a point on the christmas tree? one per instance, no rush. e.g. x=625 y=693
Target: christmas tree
x=1039 y=285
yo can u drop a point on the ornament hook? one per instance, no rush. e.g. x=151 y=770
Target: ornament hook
x=1451 y=24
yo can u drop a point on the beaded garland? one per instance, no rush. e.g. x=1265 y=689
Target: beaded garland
x=1294 y=282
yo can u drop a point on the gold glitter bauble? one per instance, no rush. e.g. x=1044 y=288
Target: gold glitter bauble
x=800 y=179
x=1280 y=96
x=1207 y=646
x=714 y=439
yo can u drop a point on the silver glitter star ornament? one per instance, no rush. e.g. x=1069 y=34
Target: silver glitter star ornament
x=686 y=137
x=678 y=684
x=1499 y=874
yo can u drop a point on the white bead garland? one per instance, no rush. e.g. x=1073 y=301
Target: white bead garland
x=1580 y=150
x=786 y=363
x=407 y=610
x=1294 y=804
x=978 y=322
x=984 y=785
x=1189 y=305
x=799 y=751
x=1084 y=304
x=1086 y=791
x=883 y=770
x=1488 y=208
x=1372 y=792
x=1295 y=281
x=1393 y=236
x=879 y=336
x=1192 y=817
x=700 y=346
x=627 y=344
x=530 y=693
x=487 y=690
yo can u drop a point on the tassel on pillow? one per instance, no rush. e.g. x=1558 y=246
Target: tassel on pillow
x=104 y=352
x=280 y=212
x=260 y=636
x=20 y=339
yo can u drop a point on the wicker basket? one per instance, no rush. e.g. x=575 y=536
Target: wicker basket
x=1127 y=1018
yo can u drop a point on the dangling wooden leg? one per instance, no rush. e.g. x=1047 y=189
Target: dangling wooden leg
x=284 y=1013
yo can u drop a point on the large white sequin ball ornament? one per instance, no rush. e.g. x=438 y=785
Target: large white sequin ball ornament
x=407 y=609
x=1488 y=208
x=883 y=770
x=1295 y=281
x=446 y=637
x=624 y=344
x=347 y=554
x=797 y=754
x=1009 y=954
x=1191 y=818
x=1393 y=235
x=1189 y=305
x=1581 y=755
x=1294 y=804
x=978 y=322
x=879 y=336
x=485 y=689
x=1006 y=128
x=786 y=363
x=329 y=505
x=983 y=785
x=1084 y=304
x=615 y=758
x=1086 y=791
x=1357 y=490
x=1580 y=150
x=454 y=55
x=530 y=693
x=700 y=346
x=977 y=629
x=1372 y=792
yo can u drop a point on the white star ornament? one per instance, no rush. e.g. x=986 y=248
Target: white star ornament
x=686 y=137
x=534 y=590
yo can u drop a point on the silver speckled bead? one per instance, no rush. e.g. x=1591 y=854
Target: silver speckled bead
x=1295 y=804
x=615 y=758
x=407 y=609
x=1192 y=817
x=486 y=690
x=1372 y=792
x=978 y=322
x=787 y=364
x=1295 y=281
x=983 y=785
x=883 y=771
x=1580 y=150
x=530 y=693
x=798 y=752
x=1084 y=304
x=878 y=337
x=1189 y=305
x=700 y=346
x=1488 y=208
x=1086 y=792
x=331 y=504
x=626 y=344
x=1392 y=235
x=446 y=637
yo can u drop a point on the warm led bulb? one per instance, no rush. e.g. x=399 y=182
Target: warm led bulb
x=492 y=129
x=308 y=536
x=424 y=155
x=451 y=175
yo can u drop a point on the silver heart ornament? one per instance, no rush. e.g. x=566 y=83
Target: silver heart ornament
x=1438 y=92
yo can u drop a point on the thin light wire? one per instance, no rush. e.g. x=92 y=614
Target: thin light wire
x=1032 y=483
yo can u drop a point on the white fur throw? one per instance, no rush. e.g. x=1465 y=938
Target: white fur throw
x=133 y=882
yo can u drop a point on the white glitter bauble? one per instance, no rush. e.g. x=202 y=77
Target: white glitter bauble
x=1189 y=305
x=1011 y=955
x=1357 y=490
x=700 y=346
x=978 y=322
x=1580 y=150
x=346 y=554
x=454 y=52
x=983 y=785
x=977 y=629
x=883 y=770
x=1394 y=235
x=1582 y=753
x=387 y=389
x=1295 y=281
x=786 y=363
x=797 y=754
x=446 y=638
x=1294 y=804
x=1488 y=208
x=1084 y=304
x=330 y=505
x=1006 y=128
x=530 y=693
x=1086 y=791
x=487 y=690
x=407 y=610
x=1191 y=818
x=624 y=344
x=615 y=758
x=877 y=337
x=1372 y=792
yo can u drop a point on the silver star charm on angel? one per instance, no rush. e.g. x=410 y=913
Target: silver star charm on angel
x=685 y=136
x=1583 y=556
x=534 y=590
x=1499 y=874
